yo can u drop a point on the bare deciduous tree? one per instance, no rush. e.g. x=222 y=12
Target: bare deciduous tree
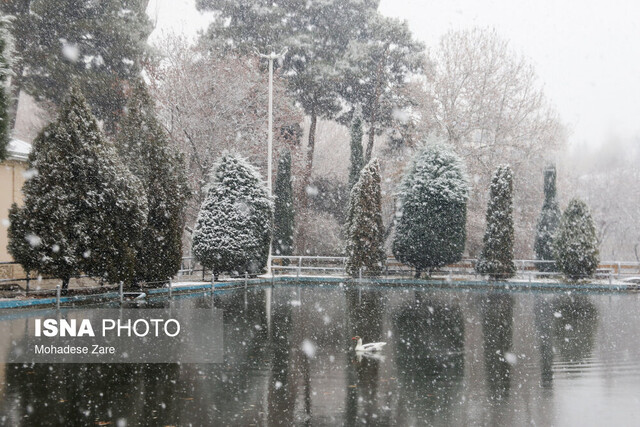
x=210 y=104
x=605 y=179
x=485 y=100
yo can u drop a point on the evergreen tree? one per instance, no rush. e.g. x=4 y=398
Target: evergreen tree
x=365 y=232
x=284 y=213
x=357 y=161
x=317 y=34
x=575 y=246
x=430 y=224
x=496 y=258
x=5 y=96
x=233 y=230
x=144 y=145
x=548 y=221
x=83 y=210
x=100 y=45
x=380 y=59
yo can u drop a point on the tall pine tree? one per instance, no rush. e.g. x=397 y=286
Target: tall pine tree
x=430 y=224
x=381 y=59
x=365 y=231
x=357 y=159
x=144 y=146
x=575 y=246
x=99 y=45
x=234 y=227
x=5 y=96
x=548 y=221
x=284 y=215
x=496 y=259
x=83 y=209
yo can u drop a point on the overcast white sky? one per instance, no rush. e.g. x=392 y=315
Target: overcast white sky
x=586 y=52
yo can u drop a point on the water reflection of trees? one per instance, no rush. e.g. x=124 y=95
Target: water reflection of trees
x=543 y=314
x=430 y=359
x=151 y=394
x=74 y=394
x=365 y=309
x=497 y=329
x=282 y=388
x=574 y=327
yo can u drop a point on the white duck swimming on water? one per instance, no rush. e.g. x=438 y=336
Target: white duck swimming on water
x=367 y=348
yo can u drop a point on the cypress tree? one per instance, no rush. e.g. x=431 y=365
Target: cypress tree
x=365 y=231
x=5 y=96
x=284 y=213
x=233 y=230
x=83 y=210
x=430 y=224
x=496 y=258
x=548 y=221
x=144 y=146
x=357 y=157
x=575 y=246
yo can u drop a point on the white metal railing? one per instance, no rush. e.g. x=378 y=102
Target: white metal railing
x=331 y=264
x=335 y=265
x=525 y=268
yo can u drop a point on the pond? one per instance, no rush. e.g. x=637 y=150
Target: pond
x=453 y=357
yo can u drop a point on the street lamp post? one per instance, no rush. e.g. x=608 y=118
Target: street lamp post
x=271 y=57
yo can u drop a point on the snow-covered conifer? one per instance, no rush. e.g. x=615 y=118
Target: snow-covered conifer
x=144 y=147
x=548 y=221
x=233 y=229
x=575 y=245
x=83 y=209
x=284 y=213
x=357 y=159
x=432 y=201
x=365 y=231
x=496 y=258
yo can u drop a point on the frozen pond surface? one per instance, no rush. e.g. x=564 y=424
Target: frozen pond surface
x=452 y=358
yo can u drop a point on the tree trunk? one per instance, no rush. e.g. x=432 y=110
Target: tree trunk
x=65 y=285
x=306 y=180
x=372 y=134
x=15 y=89
x=310 y=147
x=374 y=115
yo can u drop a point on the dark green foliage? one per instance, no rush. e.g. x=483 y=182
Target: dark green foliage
x=316 y=34
x=338 y=51
x=144 y=146
x=548 y=221
x=83 y=210
x=234 y=227
x=496 y=259
x=365 y=231
x=430 y=224
x=575 y=246
x=5 y=96
x=19 y=246
x=283 y=221
x=98 y=44
x=357 y=160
